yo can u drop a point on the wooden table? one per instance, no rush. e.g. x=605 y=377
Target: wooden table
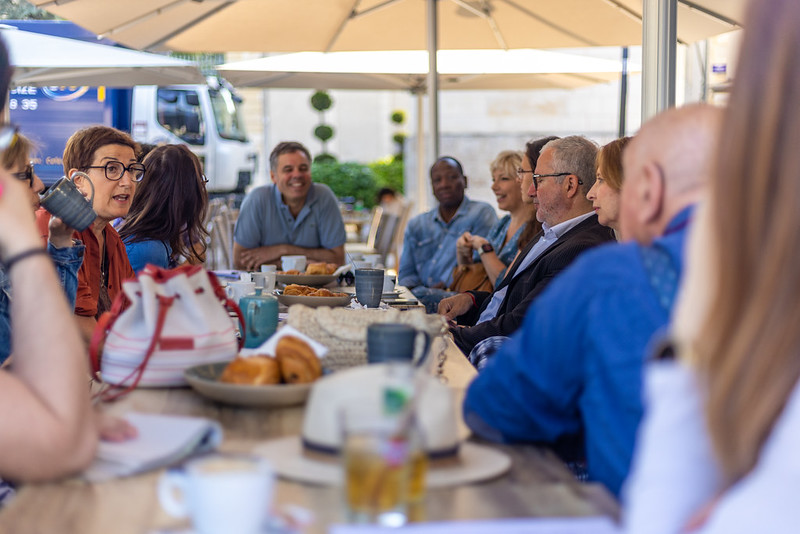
x=537 y=485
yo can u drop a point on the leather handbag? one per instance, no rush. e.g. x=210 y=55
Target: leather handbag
x=470 y=277
x=162 y=322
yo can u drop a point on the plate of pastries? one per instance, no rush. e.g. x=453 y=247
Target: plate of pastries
x=260 y=379
x=312 y=297
x=316 y=274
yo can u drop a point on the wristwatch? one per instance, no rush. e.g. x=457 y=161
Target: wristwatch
x=486 y=247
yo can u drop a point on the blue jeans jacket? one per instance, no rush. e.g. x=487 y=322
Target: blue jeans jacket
x=67 y=262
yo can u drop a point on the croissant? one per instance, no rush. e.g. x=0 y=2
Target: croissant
x=316 y=268
x=297 y=361
x=253 y=371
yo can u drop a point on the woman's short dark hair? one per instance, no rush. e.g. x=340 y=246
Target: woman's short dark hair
x=82 y=145
x=170 y=203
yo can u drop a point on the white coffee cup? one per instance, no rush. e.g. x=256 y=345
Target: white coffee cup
x=246 y=277
x=269 y=268
x=237 y=290
x=220 y=493
x=265 y=281
x=373 y=259
x=388 y=283
x=293 y=263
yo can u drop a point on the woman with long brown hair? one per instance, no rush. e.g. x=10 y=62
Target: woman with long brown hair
x=718 y=450
x=165 y=224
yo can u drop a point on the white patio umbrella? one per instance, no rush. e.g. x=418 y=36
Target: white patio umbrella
x=351 y=25
x=40 y=59
x=407 y=70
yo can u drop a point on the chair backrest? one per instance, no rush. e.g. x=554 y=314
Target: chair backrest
x=385 y=235
x=399 y=231
x=374 y=226
x=220 y=249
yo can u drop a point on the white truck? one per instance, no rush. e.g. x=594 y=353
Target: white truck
x=205 y=117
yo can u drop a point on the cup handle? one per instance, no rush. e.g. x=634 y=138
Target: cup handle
x=79 y=174
x=170 y=484
x=250 y=314
x=425 y=349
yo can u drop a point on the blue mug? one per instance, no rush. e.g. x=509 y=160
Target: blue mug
x=395 y=342
x=65 y=201
x=260 y=318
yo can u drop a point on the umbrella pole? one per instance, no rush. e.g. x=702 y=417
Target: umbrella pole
x=623 y=94
x=433 y=76
x=659 y=33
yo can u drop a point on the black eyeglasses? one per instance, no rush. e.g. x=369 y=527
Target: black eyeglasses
x=537 y=178
x=26 y=175
x=521 y=173
x=115 y=169
x=8 y=136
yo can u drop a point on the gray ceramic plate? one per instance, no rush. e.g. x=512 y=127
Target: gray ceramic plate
x=205 y=380
x=315 y=302
x=314 y=280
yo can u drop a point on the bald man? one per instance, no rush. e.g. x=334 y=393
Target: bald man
x=575 y=366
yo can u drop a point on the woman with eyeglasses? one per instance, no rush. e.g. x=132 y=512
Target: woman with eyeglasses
x=165 y=224
x=605 y=192
x=496 y=250
x=108 y=157
x=66 y=253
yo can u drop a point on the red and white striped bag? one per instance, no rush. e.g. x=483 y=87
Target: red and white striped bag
x=163 y=321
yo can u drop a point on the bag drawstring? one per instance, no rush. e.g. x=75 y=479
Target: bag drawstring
x=115 y=392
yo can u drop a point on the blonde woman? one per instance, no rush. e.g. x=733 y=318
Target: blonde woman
x=499 y=247
x=718 y=452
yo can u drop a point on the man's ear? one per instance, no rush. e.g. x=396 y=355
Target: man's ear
x=465 y=181
x=650 y=193
x=573 y=188
x=272 y=175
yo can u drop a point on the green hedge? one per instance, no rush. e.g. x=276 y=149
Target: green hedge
x=359 y=181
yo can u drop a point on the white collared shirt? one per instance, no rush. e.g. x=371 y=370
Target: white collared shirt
x=549 y=236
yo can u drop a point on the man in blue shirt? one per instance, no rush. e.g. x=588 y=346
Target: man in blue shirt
x=575 y=366
x=429 y=245
x=291 y=216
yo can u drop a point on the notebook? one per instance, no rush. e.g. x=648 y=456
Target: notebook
x=162 y=440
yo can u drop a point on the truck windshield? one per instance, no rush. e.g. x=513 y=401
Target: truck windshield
x=227 y=115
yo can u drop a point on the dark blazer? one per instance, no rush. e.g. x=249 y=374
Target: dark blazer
x=527 y=285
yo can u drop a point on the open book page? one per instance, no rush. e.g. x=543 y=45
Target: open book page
x=538 y=525
x=162 y=440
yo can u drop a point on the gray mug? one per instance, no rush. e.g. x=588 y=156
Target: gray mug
x=394 y=342
x=369 y=287
x=65 y=201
